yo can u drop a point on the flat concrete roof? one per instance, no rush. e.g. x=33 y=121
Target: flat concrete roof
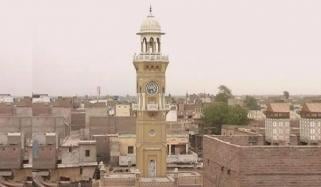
x=220 y=139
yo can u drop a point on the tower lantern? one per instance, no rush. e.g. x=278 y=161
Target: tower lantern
x=150 y=35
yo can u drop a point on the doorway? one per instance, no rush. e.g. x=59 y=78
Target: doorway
x=152 y=168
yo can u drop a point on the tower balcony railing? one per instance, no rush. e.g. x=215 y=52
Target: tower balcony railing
x=152 y=107
x=150 y=57
x=182 y=158
x=135 y=107
x=127 y=160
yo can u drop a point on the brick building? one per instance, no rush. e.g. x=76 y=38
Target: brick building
x=78 y=119
x=245 y=161
x=15 y=167
x=44 y=151
x=112 y=125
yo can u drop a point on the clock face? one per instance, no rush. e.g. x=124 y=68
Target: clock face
x=151 y=88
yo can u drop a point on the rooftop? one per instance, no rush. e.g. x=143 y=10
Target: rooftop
x=258 y=141
x=279 y=107
x=312 y=107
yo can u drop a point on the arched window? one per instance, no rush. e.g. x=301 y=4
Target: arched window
x=158 y=45
x=151 y=45
x=144 y=45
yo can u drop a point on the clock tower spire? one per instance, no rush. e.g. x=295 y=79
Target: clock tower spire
x=151 y=107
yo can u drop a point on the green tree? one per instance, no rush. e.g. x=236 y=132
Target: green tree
x=236 y=115
x=221 y=97
x=214 y=116
x=217 y=114
x=251 y=103
x=224 y=89
x=224 y=94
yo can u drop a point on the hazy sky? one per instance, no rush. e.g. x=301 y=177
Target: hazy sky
x=69 y=47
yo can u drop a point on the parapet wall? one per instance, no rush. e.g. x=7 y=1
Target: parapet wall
x=227 y=164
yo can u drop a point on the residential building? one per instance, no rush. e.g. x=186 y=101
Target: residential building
x=123 y=110
x=277 y=123
x=310 y=123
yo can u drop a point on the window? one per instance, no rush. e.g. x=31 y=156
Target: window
x=130 y=150
x=87 y=153
x=69 y=149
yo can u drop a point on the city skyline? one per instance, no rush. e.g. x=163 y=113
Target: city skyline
x=70 y=48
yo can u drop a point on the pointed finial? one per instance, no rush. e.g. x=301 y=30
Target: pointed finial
x=150 y=10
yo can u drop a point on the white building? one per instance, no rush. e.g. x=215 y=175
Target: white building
x=6 y=98
x=256 y=115
x=277 y=123
x=171 y=116
x=122 y=110
x=310 y=123
x=40 y=98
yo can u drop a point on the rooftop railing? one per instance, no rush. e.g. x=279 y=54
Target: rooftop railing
x=150 y=57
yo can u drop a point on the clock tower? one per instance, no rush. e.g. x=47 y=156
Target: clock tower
x=151 y=108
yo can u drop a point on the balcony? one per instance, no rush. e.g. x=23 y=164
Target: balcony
x=127 y=160
x=150 y=57
x=151 y=107
x=190 y=158
x=135 y=107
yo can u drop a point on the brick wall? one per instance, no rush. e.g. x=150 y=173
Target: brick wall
x=102 y=148
x=232 y=165
x=39 y=109
x=62 y=111
x=44 y=157
x=6 y=109
x=281 y=166
x=78 y=120
x=243 y=140
x=102 y=125
x=219 y=158
x=16 y=124
x=43 y=124
x=10 y=157
x=112 y=125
